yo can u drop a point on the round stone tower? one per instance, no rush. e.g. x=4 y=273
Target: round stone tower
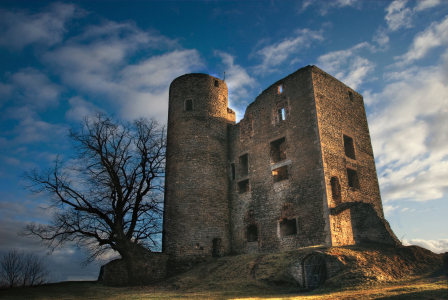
x=196 y=215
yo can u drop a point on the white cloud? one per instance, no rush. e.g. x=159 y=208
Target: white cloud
x=274 y=55
x=238 y=82
x=347 y=66
x=324 y=7
x=381 y=37
x=425 y=4
x=388 y=209
x=98 y=63
x=410 y=134
x=439 y=246
x=398 y=15
x=79 y=108
x=434 y=36
x=34 y=88
x=19 y=29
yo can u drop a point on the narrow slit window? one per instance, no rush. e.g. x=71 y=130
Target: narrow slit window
x=349 y=147
x=243 y=186
x=232 y=171
x=216 y=83
x=252 y=233
x=350 y=96
x=353 y=180
x=288 y=227
x=335 y=190
x=244 y=165
x=278 y=150
x=281 y=114
x=280 y=174
x=188 y=105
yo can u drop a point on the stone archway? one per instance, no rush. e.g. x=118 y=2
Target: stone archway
x=314 y=271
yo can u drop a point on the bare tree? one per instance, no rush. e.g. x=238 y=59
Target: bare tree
x=110 y=196
x=23 y=269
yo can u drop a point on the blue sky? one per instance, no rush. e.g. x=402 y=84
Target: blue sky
x=60 y=61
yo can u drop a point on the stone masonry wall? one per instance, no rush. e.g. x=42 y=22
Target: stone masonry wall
x=350 y=174
x=196 y=215
x=294 y=201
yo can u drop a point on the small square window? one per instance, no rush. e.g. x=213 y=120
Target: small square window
x=188 y=105
x=243 y=186
x=288 y=227
x=280 y=174
x=278 y=150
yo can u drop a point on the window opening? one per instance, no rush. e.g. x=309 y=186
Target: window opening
x=350 y=95
x=281 y=114
x=244 y=164
x=243 y=186
x=280 y=89
x=335 y=190
x=188 y=105
x=232 y=167
x=349 y=147
x=216 y=83
x=315 y=269
x=280 y=174
x=353 y=178
x=217 y=247
x=252 y=233
x=278 y=150
x=288 y=227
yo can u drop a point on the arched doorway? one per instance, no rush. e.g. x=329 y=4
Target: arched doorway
x=315 y=271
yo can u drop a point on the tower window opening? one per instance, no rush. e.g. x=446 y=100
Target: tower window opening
x=243 y=186
x=281 y=114
x=335 y=190
x=217 y=247
x=288 y=227
x=350 y=96
x=188 y=105
x=353 y=181
x=278 y=150
x=349 y=147
x=244 y=165
x=252 y=233
x=216 y=83
x=280 y=89
x=232 y=170
x=280 y=174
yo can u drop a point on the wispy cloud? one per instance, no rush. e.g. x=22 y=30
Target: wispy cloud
x=98 y=63
x=19 y=29
x=410 y=134
x=324 y=7
x=398 y=15
x=437 y=246
x=435 y=35
x=239 y=83
x=275 y=54
x=347 y=65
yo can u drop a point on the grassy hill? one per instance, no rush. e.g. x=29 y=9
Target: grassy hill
x=368 y=272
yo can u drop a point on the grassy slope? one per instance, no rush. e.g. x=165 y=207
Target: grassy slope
x=376 y=272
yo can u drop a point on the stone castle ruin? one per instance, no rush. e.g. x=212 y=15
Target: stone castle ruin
x=297 y=171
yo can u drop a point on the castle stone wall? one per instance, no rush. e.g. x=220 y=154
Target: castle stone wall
x=196 y=215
